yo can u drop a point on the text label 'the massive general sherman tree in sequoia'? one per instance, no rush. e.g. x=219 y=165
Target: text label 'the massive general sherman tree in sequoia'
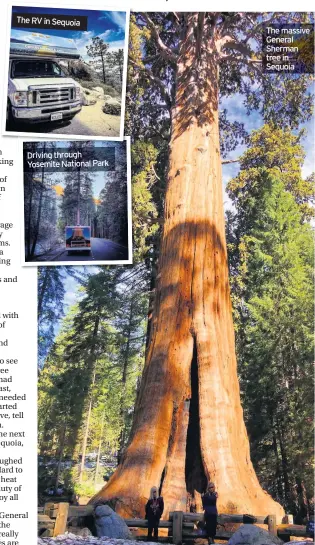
x=188 y=424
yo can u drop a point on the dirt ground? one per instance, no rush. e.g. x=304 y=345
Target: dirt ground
x=90 y=121
x=93 y=119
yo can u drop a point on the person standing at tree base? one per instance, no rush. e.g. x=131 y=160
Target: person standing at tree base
x=153 y=512
x=209 y=504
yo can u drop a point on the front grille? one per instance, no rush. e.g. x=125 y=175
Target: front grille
x=52 y=95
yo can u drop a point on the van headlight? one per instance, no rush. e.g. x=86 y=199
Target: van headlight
x=77 y=92
x=20 y=98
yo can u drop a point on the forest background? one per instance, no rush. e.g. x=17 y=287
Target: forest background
x=94 y=323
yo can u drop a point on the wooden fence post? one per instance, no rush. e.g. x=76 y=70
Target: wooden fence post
x=177 y=527
x=272 y=524
x=47 y=507
x=61 y=520
x=288 y=519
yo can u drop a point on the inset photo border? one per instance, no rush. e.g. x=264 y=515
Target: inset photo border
x=77 y=203
x=65 y=72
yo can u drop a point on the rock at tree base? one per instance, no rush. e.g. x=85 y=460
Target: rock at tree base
x=252 y=535
x=70 y=539
x=109 y=524
x=83 y=532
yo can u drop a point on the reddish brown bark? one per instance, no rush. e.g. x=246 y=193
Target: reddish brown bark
x=191 y=354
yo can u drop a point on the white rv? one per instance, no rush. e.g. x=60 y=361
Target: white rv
x=78 y=238
x=39 y=90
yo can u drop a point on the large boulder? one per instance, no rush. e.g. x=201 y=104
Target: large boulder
x=99 y=90
x=252 y=535
x=112 y=106
x=88 y=97
x=83 y=532
x=109 y=524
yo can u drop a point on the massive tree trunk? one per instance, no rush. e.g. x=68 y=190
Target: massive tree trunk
x=188 y=425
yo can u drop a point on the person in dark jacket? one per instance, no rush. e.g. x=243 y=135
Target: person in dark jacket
x=153 y=512
x=209 y=504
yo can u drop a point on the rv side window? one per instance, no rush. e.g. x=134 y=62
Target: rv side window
x=36 y=69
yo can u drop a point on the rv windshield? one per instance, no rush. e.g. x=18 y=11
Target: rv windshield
x=36 y=69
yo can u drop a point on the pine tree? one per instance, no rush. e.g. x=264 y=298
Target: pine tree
x=88 y=385
x=39 y=206
x=78 y=206
x=271 y=268
x=112 y=215
x=115 y=60
x=99 y=50
x=50 y=304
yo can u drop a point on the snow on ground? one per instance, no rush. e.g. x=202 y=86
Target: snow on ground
x=71 y=539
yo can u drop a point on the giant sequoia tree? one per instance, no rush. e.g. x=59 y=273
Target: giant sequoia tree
x=188 y=425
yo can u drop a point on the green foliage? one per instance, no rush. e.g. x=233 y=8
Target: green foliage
x=80 y=70
x=283 y=100
x=280 y=152
x=108 y=89
x=88 y=384
x=51 y=293
x=98 y=49
x=77 y=200
x=271 y=278
x=115 y=60
x=149 y=148
x=84 y=489
x=105 y=63
x=40 y=207
x=135 y=90
x=111 y=218
x=143 y=158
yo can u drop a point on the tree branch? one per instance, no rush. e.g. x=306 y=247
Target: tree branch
x=166 y=51
x=200 y=26
x=276 y=16
x=250 y=62
x=229 y=161
x=150 y=59
x=239 y=46
x=239 y=58
x=176 y=16
x=155 y=80
x=155 y=174
x=260 y=26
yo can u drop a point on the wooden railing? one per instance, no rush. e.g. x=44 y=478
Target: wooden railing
x=179 y=518
x=55 y=517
